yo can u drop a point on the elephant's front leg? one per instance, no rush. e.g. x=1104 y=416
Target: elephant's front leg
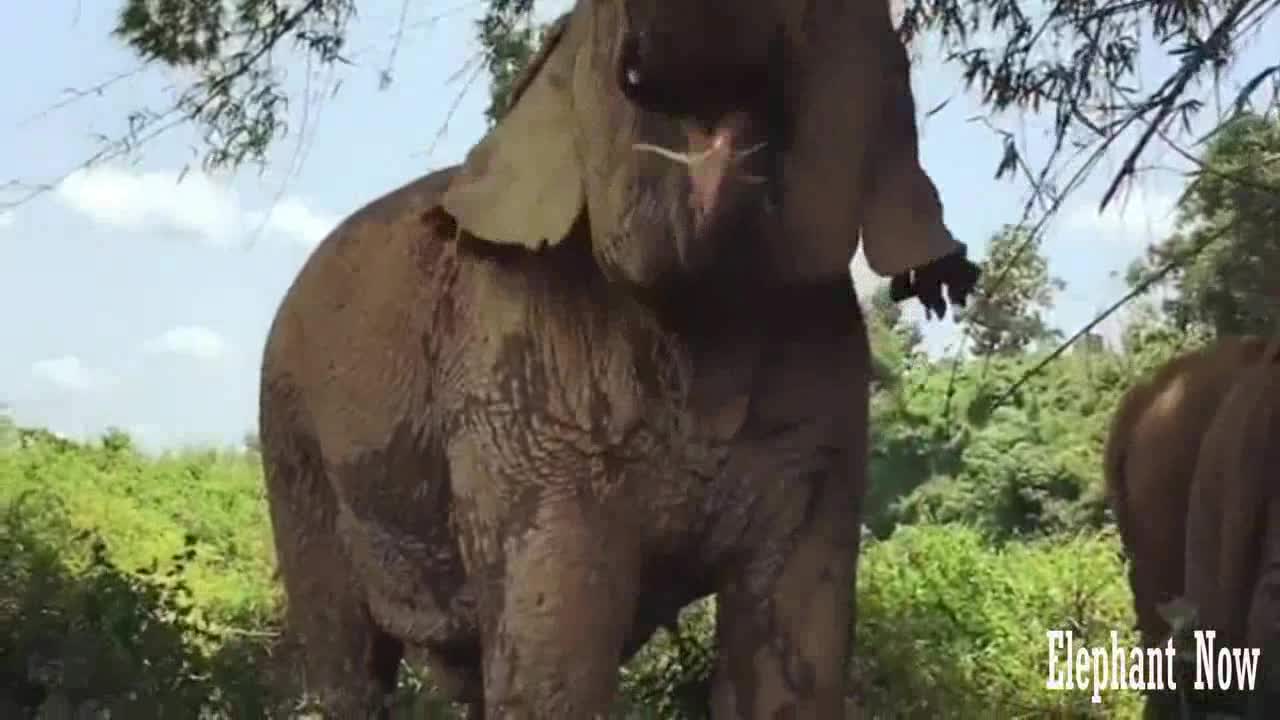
x=784 y=621
x=558 y=615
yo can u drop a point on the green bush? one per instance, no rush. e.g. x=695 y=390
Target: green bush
x=670 y=677
x=83 y=634
x=148 y=508
x=950 y=626
x=941 y=452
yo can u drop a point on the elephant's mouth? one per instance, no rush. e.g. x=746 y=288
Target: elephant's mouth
x=729 y=152
x=735 y=144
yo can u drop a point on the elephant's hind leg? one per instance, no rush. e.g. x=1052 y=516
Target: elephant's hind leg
x=351 y=665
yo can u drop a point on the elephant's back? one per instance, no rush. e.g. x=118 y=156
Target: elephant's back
x=373 y=252
x=1157 y=428
x=348 y=335
x=1180 y=399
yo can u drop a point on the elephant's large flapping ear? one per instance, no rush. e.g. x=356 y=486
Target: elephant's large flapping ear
x=521 y=184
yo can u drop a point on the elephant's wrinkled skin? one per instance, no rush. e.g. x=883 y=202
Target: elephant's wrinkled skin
x=1190 y=471
x=515 y=414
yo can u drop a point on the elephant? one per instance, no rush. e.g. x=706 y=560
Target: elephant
x=1187 y=477
x=1233 y=529
x=518 y=412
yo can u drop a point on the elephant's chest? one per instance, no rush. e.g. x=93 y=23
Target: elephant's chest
x=616 y=436
x=566 y=395
x=634 y=427
x=593 y=395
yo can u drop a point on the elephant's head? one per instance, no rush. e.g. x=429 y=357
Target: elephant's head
x=701 y=57
x=687 y=132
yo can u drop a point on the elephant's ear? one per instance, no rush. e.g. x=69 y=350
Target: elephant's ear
x=522 y=184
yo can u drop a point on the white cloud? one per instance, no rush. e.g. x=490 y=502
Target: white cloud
x=297 y=222
x=6 y=219
x=199 y=206
x=193 y=341
x=1141 y=218
x=156 y=201
x=68 y=372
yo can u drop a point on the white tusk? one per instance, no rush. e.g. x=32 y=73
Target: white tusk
x=694 y=159
x=690 y=159
x=682 y=158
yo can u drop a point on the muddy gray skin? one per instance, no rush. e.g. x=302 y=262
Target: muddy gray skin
x=517 y=413
x=1189 y=476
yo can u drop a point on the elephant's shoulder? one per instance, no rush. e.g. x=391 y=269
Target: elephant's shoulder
x=370 y=275
x=1207 y=370
x=408 y=203
x=396 y=223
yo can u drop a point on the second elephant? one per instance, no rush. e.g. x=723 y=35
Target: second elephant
x=1191 y=473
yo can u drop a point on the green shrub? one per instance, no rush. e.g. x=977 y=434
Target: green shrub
x=147 y=508
x=84 y=634
x=670 y=677
x=950 y=626
x=941 y=452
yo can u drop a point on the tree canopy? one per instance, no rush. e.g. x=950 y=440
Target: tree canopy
x=1227 y=224
x=1078 y=60
x=1014 y=294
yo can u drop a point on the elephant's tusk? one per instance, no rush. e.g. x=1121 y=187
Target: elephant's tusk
x=690 y=159
x=693 y=159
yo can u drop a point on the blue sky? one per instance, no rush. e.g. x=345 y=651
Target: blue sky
x=138 y=302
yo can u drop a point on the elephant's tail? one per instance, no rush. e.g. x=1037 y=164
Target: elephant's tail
x=1233 y=524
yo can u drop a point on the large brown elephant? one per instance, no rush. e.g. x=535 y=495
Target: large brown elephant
x=1233 y=528
x=516 y=414
x=1190 y=474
